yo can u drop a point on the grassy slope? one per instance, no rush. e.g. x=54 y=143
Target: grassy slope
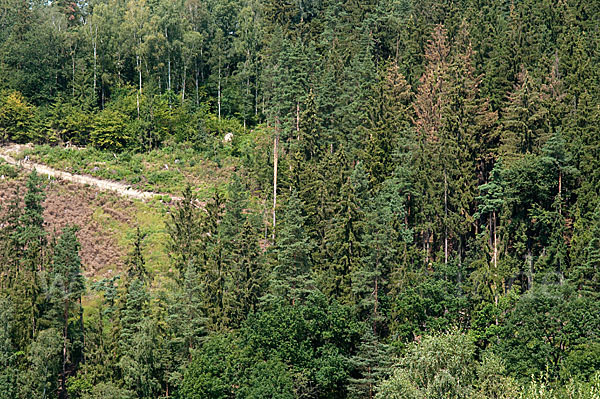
x=107 y=221
x=167 y=170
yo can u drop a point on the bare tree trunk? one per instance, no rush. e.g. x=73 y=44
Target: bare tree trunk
x=495 y=241
x=183 y=86
x=219 y=92
x=275 y=162
x=168 y=61
x=298 y=120
x=445 y=218
x=63 y=377
x=560 y=192
x=95 y=59
x=197 y=85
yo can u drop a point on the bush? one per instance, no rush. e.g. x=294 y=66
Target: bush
x=16 y=117
x=110 y=130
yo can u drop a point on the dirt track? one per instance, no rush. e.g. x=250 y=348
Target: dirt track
x=120 y=188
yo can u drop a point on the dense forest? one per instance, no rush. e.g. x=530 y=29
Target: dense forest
x=414 y=210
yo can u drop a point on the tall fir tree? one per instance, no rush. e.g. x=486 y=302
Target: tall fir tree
x=67 y=288
x=291 y=277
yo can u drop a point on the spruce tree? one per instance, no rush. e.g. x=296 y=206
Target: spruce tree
x=431 y=176
x=247 y=276
x=385 y=234
x=32 y=241
x=291 y=277
x=139 y=341
x=523 y=127
x=371 y=365
x=67 y=288
x=587 y=274
x=345 y=238
x=185 y=234
x=391 y=119
x=8 y=358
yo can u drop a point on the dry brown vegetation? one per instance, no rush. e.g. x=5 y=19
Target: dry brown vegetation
x=67 y=204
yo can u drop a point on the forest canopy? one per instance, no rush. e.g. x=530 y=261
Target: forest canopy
x=413 y=210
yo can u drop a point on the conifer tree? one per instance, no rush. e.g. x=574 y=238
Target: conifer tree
x=32 y=241
x=431 y=174
x=291 y=277
x=186 y=234
x=136 y=268
x=355 y=111
x=587 y=274
x=345 y=239
x=384 y=234
x=44 y=361
x=230 y=232
x=67 y=288
x=10 y=248
x=246 y=280
x=139 y=340
x=391 y=120
x=8 y=361
x=371 y=363
x=468 y=140
x=523 y=127
x=491 y=202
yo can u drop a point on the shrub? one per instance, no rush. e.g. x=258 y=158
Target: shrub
x=109 y=130
x=16 y=117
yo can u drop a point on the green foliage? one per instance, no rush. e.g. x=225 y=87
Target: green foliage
x=438 y=171
x=108 y=390
x=6 y=170
x=548 y=323
x=437 y=367
x=44 y=360
x=109 y=130
x=16 y=117
x=291 y=275
x=166 y=170
x=313 y=337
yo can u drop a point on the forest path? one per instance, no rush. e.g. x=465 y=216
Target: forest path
x=9 y=152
